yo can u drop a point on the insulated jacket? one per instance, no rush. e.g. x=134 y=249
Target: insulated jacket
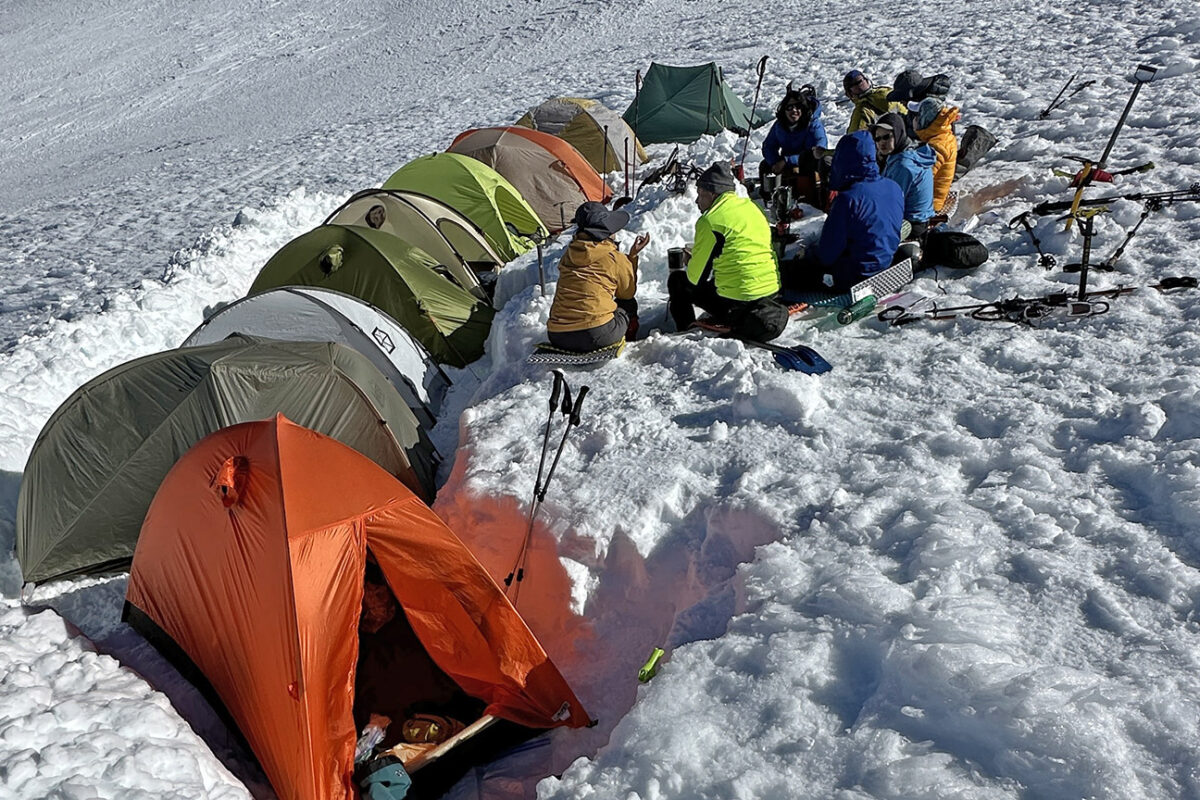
x=862 y=231
x=870 y=106
x=912 y=170
x=590 y=275
x=790 y=143
x=939 y=135
x=733 y=249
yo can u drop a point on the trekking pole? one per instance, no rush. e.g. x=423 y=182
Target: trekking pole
x=571 y=412
x=560 y=383
x=762 y=69
x=1142 y=75
x=628 y=168
x=1053 y=103
x=1110 y=263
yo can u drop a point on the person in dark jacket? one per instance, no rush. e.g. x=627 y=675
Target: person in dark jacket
x=910 y=164
x=862 y=231
x=794 y=144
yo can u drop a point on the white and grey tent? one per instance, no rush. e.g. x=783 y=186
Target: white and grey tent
x=310 y=314
x=449 y=237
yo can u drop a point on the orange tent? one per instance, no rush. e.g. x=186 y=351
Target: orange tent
x=252 y=560
x=552 y=176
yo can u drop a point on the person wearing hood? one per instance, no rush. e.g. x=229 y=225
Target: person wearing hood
x=870 y=100
x=862 y=231
x=933 y=124
x=794 y=144
x=911 y=167
x=731 y=272
x=594 y=305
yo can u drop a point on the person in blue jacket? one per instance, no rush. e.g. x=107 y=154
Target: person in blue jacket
x=910 y=164
x=794 y=144
x=862 y=231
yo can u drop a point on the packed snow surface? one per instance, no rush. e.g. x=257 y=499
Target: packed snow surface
x=965 y=563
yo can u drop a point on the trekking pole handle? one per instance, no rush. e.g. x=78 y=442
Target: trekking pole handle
x=566 y=401
x=575 y=409
x=762 y=66
x=560 y=381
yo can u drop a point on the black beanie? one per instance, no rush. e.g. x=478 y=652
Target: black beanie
x=717 y=179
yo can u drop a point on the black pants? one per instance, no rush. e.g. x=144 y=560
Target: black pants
x=762 y=319
x=623 y=324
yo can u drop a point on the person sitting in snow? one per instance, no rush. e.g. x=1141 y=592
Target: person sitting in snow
x=861 y=232
x=911 y=166
x=594 y=304
x=933 y=123
x=870 y=101
x=731 y=272
x=796 y=142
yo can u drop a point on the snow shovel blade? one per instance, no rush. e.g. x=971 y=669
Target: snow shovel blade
x=799 y=358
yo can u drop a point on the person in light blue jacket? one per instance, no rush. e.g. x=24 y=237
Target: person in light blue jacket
x=911 y=167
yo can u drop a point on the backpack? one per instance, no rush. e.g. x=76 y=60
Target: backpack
x=976 y=141
x=952 y=249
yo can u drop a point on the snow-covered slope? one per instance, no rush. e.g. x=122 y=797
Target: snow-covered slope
x=963 y=564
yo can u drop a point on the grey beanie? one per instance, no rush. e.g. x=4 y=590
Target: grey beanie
x=717 y=179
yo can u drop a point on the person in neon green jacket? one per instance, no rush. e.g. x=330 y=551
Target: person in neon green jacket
x=731 y=273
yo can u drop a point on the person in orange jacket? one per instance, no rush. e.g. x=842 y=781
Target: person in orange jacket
x=934 y=124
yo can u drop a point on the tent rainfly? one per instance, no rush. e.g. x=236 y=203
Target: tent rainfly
x=681 y=104
x=597 y=132
x=552 y=176
x=99 y=459
x=427 y=224
x=309 y=589
x=480 y=194
x=405 y=282
x=309 y=314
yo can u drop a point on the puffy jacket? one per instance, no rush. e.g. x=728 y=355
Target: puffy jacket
x=862 y=231
x=733 y=249
x=590 y=275
x=939 y=135
x=790 y=143
x=870 y=105
x=912 y=170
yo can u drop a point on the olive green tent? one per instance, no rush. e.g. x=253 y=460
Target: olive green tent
x=599 y=134
x=479 y=193
x=103 y=453
x=392 y=275
x=446 y=235
x=681 y=104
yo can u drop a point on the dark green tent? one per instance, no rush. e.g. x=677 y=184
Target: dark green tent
x=681 y=104
x=101 y=456
x=387 y=272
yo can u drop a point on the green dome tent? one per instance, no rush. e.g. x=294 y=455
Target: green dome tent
x=376 y=267
x=681 y=104
x=103 y=453
x=479 y=193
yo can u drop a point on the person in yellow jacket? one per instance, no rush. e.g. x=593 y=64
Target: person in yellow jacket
x=594 y=304
x=934 y=125
x=731 y=273
x=870 y=101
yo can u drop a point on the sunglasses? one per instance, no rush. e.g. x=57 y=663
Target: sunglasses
x=859 y=87
x=793 y=107
x=884 y=137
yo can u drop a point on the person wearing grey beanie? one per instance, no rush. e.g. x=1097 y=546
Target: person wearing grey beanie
x=731 y=272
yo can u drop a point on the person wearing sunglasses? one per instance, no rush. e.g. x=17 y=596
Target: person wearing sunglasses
x=910 y=164
x=796 y=142
x=870 y=101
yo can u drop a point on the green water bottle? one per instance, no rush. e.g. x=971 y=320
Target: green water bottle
x=856 y=310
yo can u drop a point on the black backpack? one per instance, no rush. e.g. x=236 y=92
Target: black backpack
x=976 y=141
x=952 y=249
